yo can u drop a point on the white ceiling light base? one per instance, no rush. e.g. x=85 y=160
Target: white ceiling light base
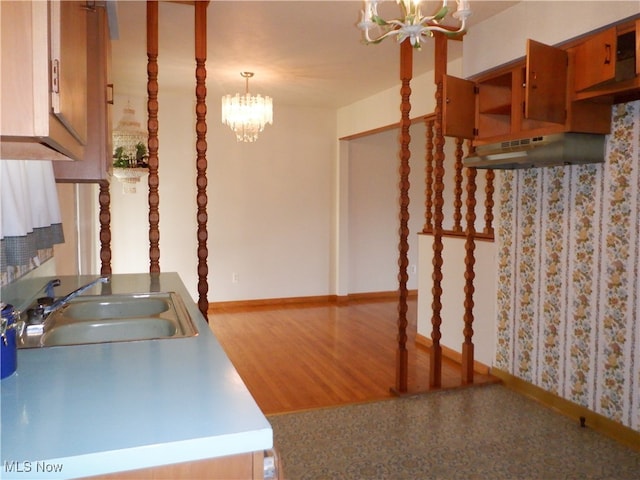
x=413 y=25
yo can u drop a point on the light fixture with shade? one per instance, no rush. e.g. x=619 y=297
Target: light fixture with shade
x=247 y=114
x=413 y=24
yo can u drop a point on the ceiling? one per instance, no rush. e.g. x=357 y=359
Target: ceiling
x=303 y=53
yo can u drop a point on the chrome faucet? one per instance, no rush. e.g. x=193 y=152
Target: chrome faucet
x=48 y=288
x=61 y=302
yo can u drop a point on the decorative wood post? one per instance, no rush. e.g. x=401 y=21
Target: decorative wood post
x=469 y=277
x=428 y=203
x=488 y=203
x=457 y=191
x=152 y=126
x=104 y=200
x=201 y=148
x=402 y=354
x=435 y=377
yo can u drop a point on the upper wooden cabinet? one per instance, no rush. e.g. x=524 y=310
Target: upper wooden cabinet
x=43 y=80
x=68 y=22
x=529 y=97
x=595 y=60
x=607 y=63
x=96 y=165
x=545 y=84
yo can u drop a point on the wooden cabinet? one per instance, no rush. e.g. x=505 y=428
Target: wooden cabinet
x=607 y=64
x=43 y=80
x=595 y=60
x=545 y=84
x=526 y=98
x=96 y=165
x=248 y=466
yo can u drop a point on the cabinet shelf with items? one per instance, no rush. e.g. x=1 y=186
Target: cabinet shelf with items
x=44 y=80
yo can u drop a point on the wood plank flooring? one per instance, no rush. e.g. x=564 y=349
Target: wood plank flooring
x=314 y=355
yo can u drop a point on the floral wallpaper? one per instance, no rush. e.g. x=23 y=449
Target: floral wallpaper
x=568 y=298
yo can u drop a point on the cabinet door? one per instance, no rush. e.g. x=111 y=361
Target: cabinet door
x=595 y=60
x=458 y=114
x=69 y=66
x=97 y=159
x=546 y=84
x=29 y=128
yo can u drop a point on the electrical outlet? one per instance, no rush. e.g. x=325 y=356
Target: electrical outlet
x=413 y=269
x=235 y=277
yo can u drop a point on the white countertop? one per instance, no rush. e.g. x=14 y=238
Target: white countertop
x=92 y=409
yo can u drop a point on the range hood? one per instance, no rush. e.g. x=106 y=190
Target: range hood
x=542 y=151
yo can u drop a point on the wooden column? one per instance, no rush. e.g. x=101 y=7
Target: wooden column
x=428 y=203
x=488 y=203
x=201 y=149
x=104 y=200
x=152 y=126
x=469 y=277
x=435 y=373
x=457 y=190
x=402 y=355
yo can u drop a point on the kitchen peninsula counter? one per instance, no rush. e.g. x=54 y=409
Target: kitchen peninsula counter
x=84 y=410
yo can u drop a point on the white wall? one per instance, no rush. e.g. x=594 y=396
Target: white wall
x=269 y=203
x=176 y=171
x=271 y=207
x=279 y=215
x=453 y=268
x=373 y=214
x=383 y=109
x=80 y=252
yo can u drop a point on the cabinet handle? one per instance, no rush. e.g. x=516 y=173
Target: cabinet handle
x=607 y=53
x=89 y=6
x=110 y=90
x=55 y=76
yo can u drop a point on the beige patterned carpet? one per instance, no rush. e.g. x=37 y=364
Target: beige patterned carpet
x=474 y=433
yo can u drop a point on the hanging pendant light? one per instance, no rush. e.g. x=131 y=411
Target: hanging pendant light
x=247 y=114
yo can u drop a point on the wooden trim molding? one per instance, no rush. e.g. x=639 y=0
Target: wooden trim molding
x=583 y=415
x=338 y=299
x=463 y=234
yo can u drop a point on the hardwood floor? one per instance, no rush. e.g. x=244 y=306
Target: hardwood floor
x=313 y=355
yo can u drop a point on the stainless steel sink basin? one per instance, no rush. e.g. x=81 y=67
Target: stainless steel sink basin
x=114 y=318
x=116 y=307
x=109 y=330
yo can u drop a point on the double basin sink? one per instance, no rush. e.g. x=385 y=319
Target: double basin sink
x=112 y=318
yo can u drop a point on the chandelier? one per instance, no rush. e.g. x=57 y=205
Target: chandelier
x=127 y=138
x=412 y=24
x=247 y=114
x=130 y=150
